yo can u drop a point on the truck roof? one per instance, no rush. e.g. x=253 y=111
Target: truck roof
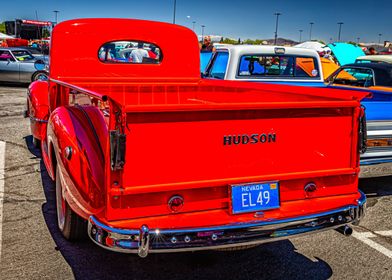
x=75 y=46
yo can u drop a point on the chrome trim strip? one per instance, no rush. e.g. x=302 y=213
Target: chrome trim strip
x=38 y=120
x=385 y=133
x=145 y=240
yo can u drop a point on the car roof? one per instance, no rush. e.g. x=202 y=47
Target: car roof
x=372 y=65
x=262 y=49
x=379 y=58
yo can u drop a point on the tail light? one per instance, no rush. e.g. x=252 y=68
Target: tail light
x=362 y=132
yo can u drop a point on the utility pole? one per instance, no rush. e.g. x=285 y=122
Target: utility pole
x=358 y=38
x=310 y=32
x=276 y=26
x=202 y=32
x=379 y=38
x=193 y=22
x=174 y=12
x=340 y=30
x=55 y=15
x=300 y=35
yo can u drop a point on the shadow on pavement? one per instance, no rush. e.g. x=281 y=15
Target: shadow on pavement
x=376 y=186
x=278 y=260
x=15 y=85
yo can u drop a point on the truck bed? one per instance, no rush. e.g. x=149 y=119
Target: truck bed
x=198 y=139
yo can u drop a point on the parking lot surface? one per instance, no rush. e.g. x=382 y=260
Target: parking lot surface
x=31 y=247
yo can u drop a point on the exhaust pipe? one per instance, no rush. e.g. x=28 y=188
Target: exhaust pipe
x=345 y=230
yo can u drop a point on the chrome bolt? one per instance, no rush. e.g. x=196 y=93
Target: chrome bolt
x=214 y=237
x=68 y=152
x=340 y=218
x=174 y=240
x=94 y=231
x=187 y=239
x=332 y=220
x=313 y=224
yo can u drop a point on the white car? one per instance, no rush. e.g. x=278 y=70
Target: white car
x=276 y=64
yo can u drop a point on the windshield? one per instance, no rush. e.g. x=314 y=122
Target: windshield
x=260 y=66
x=23 y=55
x=359 y=77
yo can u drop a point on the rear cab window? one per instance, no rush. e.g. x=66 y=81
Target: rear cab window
x=278 y=66
x=130 y=52
x=217 y=69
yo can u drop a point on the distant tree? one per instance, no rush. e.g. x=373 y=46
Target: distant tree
x=221 y=40
x=239 y=40
x=2 y=27
x=45 y=33
x=229 y=41
x=249 y=42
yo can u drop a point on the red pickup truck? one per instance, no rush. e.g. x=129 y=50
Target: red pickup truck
x=149 y=157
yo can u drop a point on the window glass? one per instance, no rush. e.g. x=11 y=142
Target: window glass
x=278 y=66
x=5 y=56
x=354 y=77
x=130 y=52
x=218 y=69
x=23 y=55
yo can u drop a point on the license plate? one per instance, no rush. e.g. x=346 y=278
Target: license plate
x=254 y=197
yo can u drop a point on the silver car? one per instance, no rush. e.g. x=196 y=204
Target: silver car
x=18 y=65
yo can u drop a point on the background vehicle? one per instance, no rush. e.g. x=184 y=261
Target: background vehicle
x=17 y=65
x=284 y=65
x=345 y=53
x=157 y=159
x=376 y=78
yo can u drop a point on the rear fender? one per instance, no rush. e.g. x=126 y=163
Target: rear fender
x=38 y=108
x=76 y=137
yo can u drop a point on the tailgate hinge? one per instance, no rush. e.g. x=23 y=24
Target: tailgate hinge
x=117 y=150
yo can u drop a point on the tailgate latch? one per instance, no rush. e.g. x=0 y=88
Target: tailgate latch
x=117 y=150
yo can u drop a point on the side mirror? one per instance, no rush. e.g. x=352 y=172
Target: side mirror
x=39 y=65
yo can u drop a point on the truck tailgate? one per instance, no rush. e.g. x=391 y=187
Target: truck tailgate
x=234 y=145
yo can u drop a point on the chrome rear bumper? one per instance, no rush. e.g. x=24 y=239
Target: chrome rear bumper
x=145 y=240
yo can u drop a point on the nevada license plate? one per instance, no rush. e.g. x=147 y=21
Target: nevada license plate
x=254 y=197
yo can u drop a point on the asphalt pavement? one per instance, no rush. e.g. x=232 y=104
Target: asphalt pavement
x=31 y=247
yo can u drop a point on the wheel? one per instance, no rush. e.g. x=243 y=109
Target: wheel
x=39 y=75
x=72 y=226
x=36 y=143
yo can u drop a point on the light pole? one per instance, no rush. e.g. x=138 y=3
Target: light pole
x=310 y=32
x=358 y=38
x=202 y=32
x=193 y=22
x=174 y=12
x=379 y=38
x=340 y=30
x=276 y=26
x=55 y=15
x=300 y=35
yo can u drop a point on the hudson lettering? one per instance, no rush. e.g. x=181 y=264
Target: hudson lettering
x=249 y=139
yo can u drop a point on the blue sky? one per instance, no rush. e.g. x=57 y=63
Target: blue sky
x=245 y=19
